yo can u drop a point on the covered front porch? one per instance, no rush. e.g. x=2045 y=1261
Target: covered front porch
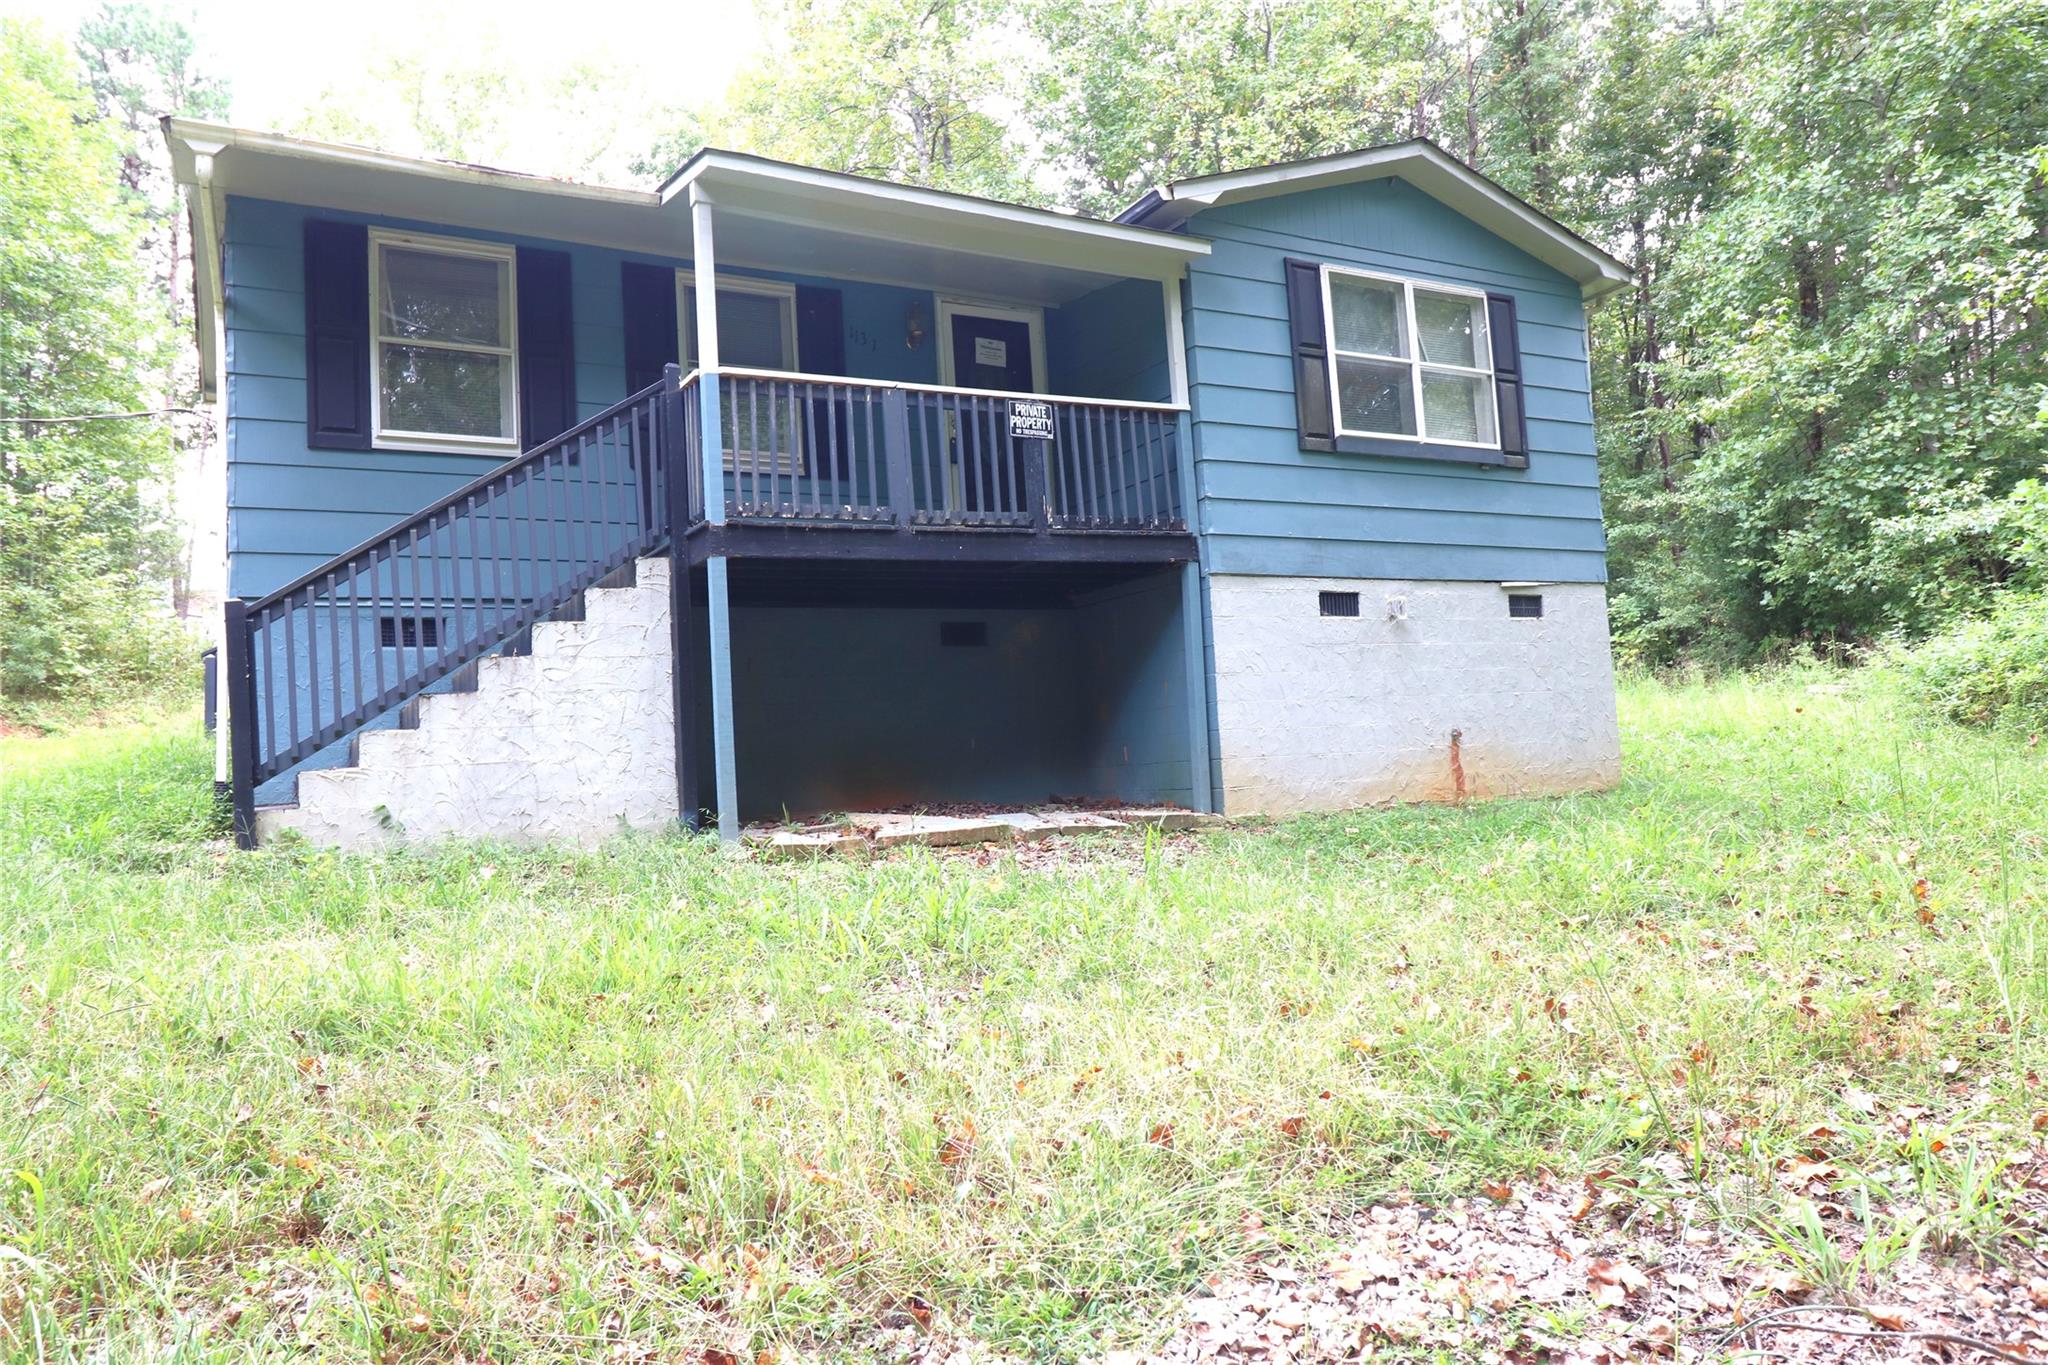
x=983 y=587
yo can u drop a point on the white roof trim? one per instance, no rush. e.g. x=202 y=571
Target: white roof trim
x=1423 y=164
x=714 y=167
x=190 y=134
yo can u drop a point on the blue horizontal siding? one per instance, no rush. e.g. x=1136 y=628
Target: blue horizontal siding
x=291 y=506
x=1269 y=507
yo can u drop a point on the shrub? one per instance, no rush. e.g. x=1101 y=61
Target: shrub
x=1990 y=670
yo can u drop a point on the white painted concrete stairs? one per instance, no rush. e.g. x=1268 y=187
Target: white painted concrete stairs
x=571 y=742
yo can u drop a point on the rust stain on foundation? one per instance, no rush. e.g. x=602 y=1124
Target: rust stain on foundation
x=1457 y=765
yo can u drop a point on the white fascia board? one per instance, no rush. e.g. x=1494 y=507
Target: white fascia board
x=1430 y=170
x=849 y=203
x=191 y=131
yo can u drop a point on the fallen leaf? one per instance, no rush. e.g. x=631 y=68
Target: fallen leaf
x=1161 y=1135
x=1787 y=1282
x=957 y=1144
x=1292 y=1125
x=1496 y=1191
x=148 y=1193
x=1892 y=1319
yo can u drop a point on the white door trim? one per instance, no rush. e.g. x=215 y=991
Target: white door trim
x=1033 y=319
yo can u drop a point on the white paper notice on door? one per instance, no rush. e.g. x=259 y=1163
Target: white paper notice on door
x=992 y=351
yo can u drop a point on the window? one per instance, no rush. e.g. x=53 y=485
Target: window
x=1409 y=361
x=442 y=323
x=756 y=331
x=756 y=322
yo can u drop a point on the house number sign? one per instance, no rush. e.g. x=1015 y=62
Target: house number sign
x=1030 y=420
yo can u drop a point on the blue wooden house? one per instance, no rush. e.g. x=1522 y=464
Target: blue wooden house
x=555 y=508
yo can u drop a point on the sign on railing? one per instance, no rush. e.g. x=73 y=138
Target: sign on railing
x=1030 y=420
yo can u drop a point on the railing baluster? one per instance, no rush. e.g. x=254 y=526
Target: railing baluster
x=355 y=642
x=291 y=675
x=312 y=660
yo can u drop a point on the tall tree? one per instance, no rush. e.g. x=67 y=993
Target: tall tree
x=1866 y=309
x=141 y=61
x=82 y=548
x=910 y=90
x=1129 y=93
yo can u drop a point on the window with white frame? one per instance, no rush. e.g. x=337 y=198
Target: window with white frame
x=1409 y=361
x=756 y=322
x=756 y=331
x=443 y=344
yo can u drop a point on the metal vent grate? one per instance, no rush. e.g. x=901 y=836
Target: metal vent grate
x=1337 y=603
x=1525 y=604
x=409 y=632
x=963 y=634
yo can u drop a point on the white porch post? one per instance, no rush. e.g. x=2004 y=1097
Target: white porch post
x=1194 y=617
x=704 y=269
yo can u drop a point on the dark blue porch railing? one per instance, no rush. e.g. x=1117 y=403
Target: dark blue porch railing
x=802 y=448
x=372 y=628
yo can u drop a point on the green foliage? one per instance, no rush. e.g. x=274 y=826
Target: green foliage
x=83 y=547
x=1989 y=670
x=1859 y=351
x=905 y=90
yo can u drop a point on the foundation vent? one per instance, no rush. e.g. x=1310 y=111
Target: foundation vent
x=409 y=632
x=1525 y=604
x=963 y=634
x=1337 y=603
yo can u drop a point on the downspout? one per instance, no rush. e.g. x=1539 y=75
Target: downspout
x=206 y=247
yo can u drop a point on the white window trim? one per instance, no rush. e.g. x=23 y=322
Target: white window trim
x=686 y=279
x=782 y=463
x=1414 y=361
x=381 y=439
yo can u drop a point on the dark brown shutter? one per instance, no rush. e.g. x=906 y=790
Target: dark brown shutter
x=1507 y=377
x=1314 y=418
x=547 y=347
x=649 y=296
x=821 y=349
x=337 y=335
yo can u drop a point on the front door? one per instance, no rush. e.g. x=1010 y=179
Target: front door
x=989 y=352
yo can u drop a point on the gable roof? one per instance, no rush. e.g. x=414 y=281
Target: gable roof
x=1422 y=164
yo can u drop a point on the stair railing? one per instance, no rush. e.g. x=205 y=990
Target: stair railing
x=374 y=627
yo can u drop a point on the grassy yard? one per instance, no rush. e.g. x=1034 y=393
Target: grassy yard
x=552 y=1106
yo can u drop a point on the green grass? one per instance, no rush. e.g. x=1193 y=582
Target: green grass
x=528 y=1105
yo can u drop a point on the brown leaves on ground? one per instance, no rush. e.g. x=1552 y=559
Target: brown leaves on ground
x=1489 y=1278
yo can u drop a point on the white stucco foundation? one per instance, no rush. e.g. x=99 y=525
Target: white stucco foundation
x=1324 y=712
x=572 y=742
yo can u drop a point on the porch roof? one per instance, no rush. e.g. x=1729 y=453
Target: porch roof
x=781 y=216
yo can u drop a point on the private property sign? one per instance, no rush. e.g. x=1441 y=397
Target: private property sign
x=1030 y=420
